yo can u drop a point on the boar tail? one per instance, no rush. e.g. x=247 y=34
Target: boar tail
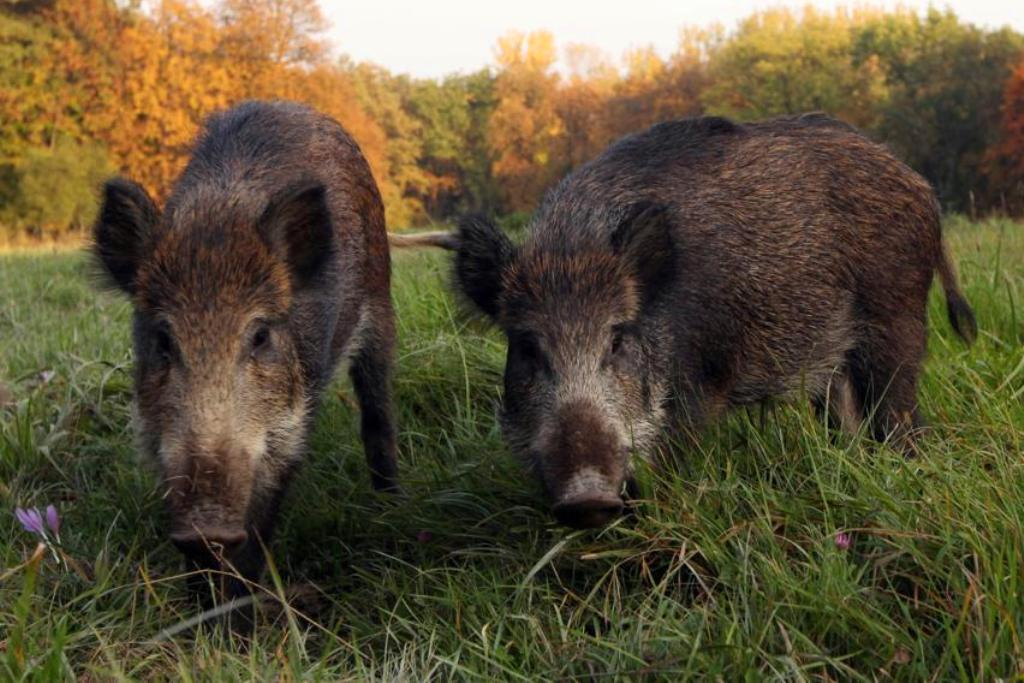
x=961 y=317
x=444 y=240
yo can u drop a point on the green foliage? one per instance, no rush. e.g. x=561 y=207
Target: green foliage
x=515 y=223
x=728 y=571
x=945 y=81
x=56 y=190
x=27 y=89
x=780 y=63
x=383 y=95
x=454 y=113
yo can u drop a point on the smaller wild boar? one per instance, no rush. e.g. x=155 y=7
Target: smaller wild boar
x=268 y=265
x=698 y=266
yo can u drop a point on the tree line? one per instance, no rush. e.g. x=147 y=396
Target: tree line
x=94 y=87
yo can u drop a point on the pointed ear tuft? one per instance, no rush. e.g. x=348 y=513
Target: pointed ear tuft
x=123 y=230
x=644 y=240
x=482 y=254
x=297 y=224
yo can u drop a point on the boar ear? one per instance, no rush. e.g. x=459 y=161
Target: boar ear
x=644 y=239
x=122 y=231
x=482 y=253
x=297 y=224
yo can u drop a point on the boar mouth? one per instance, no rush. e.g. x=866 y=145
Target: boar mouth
x=588 y=512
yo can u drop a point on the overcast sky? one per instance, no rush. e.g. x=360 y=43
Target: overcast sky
x=436 y=37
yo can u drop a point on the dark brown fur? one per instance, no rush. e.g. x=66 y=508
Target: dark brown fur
x=702 y=265
x=268 y=265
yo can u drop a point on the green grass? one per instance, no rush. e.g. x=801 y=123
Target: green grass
x=728 y=570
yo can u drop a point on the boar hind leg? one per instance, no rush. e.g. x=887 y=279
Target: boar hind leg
x=371 y=377
x=885 y=371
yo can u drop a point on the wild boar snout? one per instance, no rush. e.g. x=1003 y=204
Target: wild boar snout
x=584 y=466
x=203 y=544
x=594 y=506
x=208 y=496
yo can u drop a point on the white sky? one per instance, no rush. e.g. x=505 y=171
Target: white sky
x=436 y=37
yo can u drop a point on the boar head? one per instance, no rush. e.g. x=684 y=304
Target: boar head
x=584 y=380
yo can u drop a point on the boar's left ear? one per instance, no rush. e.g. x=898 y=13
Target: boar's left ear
x=644 y=239
x=297 y=225
x=123 y=229
x=482 y=253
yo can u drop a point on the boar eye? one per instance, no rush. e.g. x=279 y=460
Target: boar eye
x=617 y=347
x=616 y=342
x=164 y=343
x=260 y=340
x=527 y=349
x=261 y=337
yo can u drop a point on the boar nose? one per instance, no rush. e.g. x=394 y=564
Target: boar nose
x=588 y=498
x=218 y=540
x=588 y=512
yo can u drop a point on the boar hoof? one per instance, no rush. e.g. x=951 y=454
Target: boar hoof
x=588 y=512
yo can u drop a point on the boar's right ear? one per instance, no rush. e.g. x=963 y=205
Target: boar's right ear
x=123 y=228
x=644 y=239
x=297 y=226
x=482 y=253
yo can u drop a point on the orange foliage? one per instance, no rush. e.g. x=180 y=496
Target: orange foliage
x=1006 y=161
x=144 y=82
x=525 y=126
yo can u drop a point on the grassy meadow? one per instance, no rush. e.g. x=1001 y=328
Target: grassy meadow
x=729 y=569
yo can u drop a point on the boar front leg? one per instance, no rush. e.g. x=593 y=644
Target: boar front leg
x=371 y=377
x=840 y=405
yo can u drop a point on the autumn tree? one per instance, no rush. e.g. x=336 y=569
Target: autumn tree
x=655 y=89
x=945 y=84
x=525 y=128
x=172 y=75
x=90 y=86
x=30 y=93
x=330 y=89
x=582 y=104
x=275 y=49
x=634 y=104
x=780 y=62
x=453 y=115
x=56 y=188
x=405 y=183
x=265 y=39
x=1005 y=161
x=51 y=93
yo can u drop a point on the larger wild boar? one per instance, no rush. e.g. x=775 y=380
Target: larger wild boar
x=268 y=265
x=702 y=265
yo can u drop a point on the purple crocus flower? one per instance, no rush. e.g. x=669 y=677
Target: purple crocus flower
x=843 y=540
x=31 y=520
x=53 y=519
